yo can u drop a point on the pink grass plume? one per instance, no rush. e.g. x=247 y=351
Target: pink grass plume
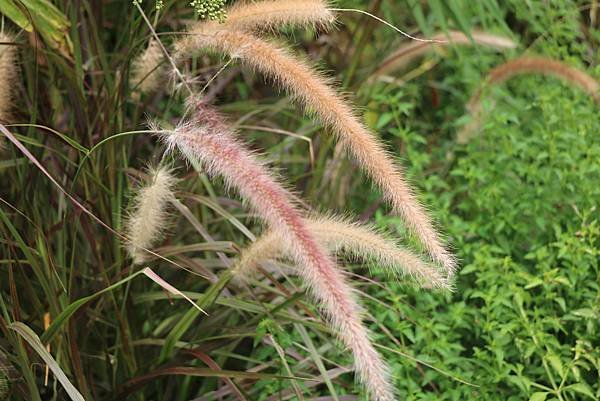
x=208 y=140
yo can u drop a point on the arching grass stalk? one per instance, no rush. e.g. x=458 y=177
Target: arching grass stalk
x=206 y=139
x=411 y=50
x=311 y=90
x=520 y=66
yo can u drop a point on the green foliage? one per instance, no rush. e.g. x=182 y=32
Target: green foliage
x=42 y=15
x=520 y=204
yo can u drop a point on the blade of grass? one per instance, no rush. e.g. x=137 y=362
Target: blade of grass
x=417 y=360
x=281 y=354
x=73 y=143
x=64 y=316
x=21 y=354
x=218 y=209
x=137 y=382
x=102 y=142
x=317 y=359
x=168 y=287
x=187 y=320
x=34 y=341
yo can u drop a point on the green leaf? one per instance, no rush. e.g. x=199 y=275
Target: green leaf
x=384 y=119
x=34 y=341
x=586 y=313
x=74 y=306
x=538 y=396
x=534 y=283
x=43 y=17
x=438 y=10
x=582 y=388
x=417 y=11
x=556 y=363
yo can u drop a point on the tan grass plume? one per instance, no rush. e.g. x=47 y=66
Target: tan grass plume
x=412 y=50
x=146 y=69
x=520 y=66
x=340 y=235
x=208 y=140
x=271 y=15
x=8 y=74
x=312 y=91
x=148 y=218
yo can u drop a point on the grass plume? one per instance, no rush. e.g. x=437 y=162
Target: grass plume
x=148 y=218
x=146 y=69
x=542 y=66
x=312 y=91
x=411 y=50
x=208 y=140
x=8 y=74
x=520 y=66
x=270 y=15
x=343 y=236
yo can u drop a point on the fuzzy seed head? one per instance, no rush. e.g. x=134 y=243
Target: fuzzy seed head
x=146 y=70
x=208 y=140
x=270 y=15
x=274 y=14
x=8 y=73
x=148 y=219
x=340 y=235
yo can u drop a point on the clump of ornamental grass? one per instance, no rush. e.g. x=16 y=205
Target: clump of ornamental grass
x=520 y=66
x=406 y=53
x=148 y=218
x=342 y=236
x=146 y=69
x=207 y=140
x=8 y=73
x=312 y=90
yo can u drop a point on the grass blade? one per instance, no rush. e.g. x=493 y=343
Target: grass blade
x=186 y=321
x=34 y=341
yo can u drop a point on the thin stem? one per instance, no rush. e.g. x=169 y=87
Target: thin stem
x=356 y=10
x=164 y=50
x=215 y=76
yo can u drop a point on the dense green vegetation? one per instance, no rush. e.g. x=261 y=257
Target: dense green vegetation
x=519 y=204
